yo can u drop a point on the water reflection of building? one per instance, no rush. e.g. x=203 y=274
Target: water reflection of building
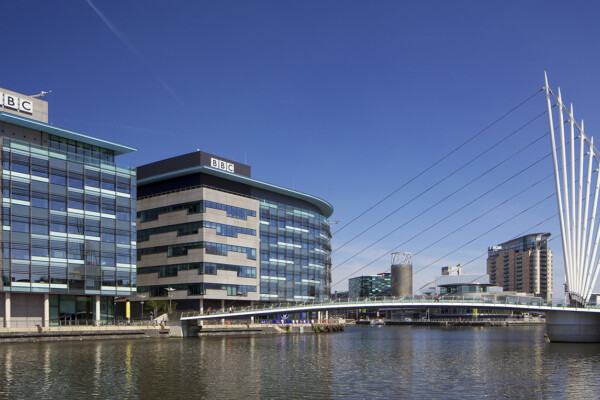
x=67 y=245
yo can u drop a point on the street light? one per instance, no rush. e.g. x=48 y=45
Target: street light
x=142 y=296
x=170 y=294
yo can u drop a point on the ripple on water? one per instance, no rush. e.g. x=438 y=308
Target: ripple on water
x=389 y=362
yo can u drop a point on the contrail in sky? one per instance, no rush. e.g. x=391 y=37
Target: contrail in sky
x=121 y=36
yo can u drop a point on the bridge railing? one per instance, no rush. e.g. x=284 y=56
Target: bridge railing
x=496 y=299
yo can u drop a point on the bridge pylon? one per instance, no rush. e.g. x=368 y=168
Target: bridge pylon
x=578 y=167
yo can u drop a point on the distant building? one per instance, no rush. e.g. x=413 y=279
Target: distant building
x=472 y=290
x=452 y=276
x=457 y=270
x=370 y=285
x=594 y=299
x=523 y=264
x=339 y=295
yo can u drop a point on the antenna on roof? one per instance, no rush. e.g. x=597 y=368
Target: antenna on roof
x=41 y=94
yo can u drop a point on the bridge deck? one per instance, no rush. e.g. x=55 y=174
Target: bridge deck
x=525 y=304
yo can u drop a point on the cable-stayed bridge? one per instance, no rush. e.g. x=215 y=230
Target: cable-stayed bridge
x=571 y=324
x=576 y=165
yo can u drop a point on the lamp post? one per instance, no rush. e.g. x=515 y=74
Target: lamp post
x=142 y=296
x=170 y=295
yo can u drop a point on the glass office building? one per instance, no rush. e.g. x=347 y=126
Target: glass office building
x=370 y=285
x=68 y=220
x=295 y=253
x=210 y=236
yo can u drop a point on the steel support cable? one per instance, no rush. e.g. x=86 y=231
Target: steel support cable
x=478 y=257
x=455 y=250
x=486 y=232
x=520 y=234
x=450 y=195
x=484 y=214
x=441 y=180
x=440 y=160
x=524 y=190
x=468 y=204
x=475 y=219
x=461 y=208
x=483 y=254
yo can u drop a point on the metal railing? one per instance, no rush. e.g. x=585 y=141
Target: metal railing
x=18 y=323
x=449 y=299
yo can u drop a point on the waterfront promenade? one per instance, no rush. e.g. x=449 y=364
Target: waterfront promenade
x=122 y=329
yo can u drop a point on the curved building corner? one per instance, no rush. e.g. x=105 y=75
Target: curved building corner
x=210 y=236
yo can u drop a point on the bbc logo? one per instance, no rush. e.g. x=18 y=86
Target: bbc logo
x=225 y=166
x=15 y=103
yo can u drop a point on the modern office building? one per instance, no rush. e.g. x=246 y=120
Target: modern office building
x=456 y=270
x=370 y=285
x=211 y=236
x=453 y=276
x=522 y=265
x=67 y=244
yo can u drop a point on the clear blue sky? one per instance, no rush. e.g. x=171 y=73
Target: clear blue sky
x=341 y=99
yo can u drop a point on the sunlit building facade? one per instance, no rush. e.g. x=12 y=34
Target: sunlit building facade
x=522 y=265
x=210 y=236
x=68 y=240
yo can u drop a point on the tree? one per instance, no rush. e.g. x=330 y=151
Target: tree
x=157 y=306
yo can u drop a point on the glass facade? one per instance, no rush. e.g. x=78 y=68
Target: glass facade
x=68 y=220
x=204 y=268
x=372 y=285
x=199 y=289
x=191 y=228
x=66 y=310
x=463 y=289
x=195 y=207
x=273 y=244
x=181 y=249
x=295 y=253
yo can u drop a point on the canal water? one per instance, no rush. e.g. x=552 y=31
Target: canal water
x=360 y=363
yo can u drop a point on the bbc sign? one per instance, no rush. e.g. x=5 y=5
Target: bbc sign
x=225 y=166
x=15 y=103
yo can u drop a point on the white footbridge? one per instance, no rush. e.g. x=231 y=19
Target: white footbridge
x=576 y=163
x=510 y=302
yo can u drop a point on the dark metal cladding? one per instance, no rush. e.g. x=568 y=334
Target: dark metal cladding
x=187 y=161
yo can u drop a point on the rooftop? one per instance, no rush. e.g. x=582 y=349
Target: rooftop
x=195 y=163
x=64 y=133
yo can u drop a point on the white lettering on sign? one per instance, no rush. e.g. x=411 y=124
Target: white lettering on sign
x=26 y=106
x=15 y=103
x=225 y=166
x=10 y=101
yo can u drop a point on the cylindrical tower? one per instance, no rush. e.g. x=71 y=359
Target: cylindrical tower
x=402 y=269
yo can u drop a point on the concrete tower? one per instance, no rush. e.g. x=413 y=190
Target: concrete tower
x=402 y=269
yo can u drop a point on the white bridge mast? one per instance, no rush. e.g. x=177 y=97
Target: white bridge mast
x=578 y=232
